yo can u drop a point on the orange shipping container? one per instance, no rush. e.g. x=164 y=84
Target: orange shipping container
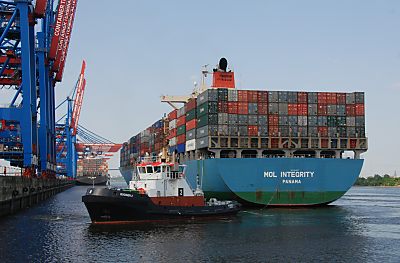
x=181 y=139
x=292 y=109
x=252 y=130
x=172 y=115
x=360 y=109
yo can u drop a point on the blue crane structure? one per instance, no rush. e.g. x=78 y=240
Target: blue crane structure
x=34 y=41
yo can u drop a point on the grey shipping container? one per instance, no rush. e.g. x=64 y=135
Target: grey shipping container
x=273 y=108
x=232 y=119
x=273 y=96
x=313 y=120
x=208 y=95
x=312 y=109
x=359 y=97
x=350 y=121
x=207 y=130
x=263 y=120
x=332 y=131
x=222 y=94
x=302 y=120
x=233 y=130
x=350 y=99
x=283 y=96
x=243 y=130
x=331 y=109
x=303 y=131
x=181 y=112
x=360 y=132
x=263 y=130
x=322 y=121
x=360 y=121
x=283 y=108
x=191 y=134
x=202 y=142
x=243 y=119
x=292 y=97
x=232 y=95
x=351 y=131
x=222 y=118
x=292 y=120
x=341 y=110
x=312 y=131
x=283 y=120
x=253 y=108
x=253 y=120
x=312 y=97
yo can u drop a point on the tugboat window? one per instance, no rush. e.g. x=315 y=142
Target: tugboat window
x=149 y=169
x=142 y=170
x=157 y=169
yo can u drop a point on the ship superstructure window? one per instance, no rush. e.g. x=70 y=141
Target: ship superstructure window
x=157 y=169
x=149 y=169
x=142 y=170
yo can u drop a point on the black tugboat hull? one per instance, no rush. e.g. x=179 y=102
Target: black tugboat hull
x=118 y=206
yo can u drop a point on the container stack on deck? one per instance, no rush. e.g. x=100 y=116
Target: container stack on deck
x=92 y=167
x=247 y=114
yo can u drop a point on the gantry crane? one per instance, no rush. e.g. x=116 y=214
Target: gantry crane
x=32 y=60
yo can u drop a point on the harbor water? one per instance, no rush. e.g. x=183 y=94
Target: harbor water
x=362 y=226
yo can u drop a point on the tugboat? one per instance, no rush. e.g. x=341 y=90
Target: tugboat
x=159 y=191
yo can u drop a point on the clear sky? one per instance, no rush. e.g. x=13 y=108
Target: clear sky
x=139 y=50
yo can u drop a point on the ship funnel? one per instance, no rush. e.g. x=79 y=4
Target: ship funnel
x=223 y=64
x=222 y=78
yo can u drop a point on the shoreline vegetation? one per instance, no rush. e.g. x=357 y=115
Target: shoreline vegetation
x=378 y=180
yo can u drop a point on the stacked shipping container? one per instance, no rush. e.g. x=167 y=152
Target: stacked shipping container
x=252 y=113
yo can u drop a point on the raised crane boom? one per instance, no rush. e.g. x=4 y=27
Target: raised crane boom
x=80 y=89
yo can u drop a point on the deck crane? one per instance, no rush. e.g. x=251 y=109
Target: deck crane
x=34 y=41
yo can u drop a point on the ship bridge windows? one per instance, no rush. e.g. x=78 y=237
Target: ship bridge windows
x=149 y=169
x=273 y=153
x=304 y=154
x=328 y=154
x=249 y=154
x=228 y=154
x=142 y=170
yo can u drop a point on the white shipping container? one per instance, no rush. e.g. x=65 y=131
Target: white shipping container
x=172 y=124
x=190 y=145
x=172 y=141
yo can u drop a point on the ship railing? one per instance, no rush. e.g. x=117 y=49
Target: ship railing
x=174 y=175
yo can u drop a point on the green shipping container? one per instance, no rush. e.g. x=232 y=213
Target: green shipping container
x=181 y=130
x=207 y=107
x=332 y=121
x=190 y=115
x=208 y=119
x=341 y=121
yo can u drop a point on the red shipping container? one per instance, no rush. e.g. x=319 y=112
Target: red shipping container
x=252 y=130
x=292 y=109
x=171 y=134
x=233 y=107
x=350 y=110
x=262 y=96
x=323 y=131
x=341 y=98
x=324 y=143
x=252 y=96
x=353 y=143
x=302 y=109
x=275 y=142
x=273 y=120
x=223 y=107
x=262 y=108
x=181 y=121
x=302 y=97
x=172 y=115
x=191 y=104
x=191 y=124
x=322 y=98
x=322 y=110
x=331 y=98
x=243 y=108
x=360 y=110
x=273 y=131
x=242 y=95
x=181 y=139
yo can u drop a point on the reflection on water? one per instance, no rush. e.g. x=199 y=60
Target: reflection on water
x=362 y=226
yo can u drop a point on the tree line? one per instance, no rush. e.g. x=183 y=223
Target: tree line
x=378 y=180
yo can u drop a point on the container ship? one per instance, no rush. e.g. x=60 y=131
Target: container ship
x=260 y=147
x=92 y=171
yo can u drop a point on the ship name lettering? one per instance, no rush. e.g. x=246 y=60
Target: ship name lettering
x=296 y=174
x=269 y=174
x=124 y=194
